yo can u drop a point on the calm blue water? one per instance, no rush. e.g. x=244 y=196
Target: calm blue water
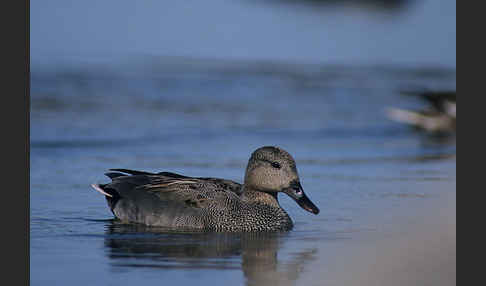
x=353 y=163
x=200 y=117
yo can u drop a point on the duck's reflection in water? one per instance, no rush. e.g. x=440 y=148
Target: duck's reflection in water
x=256 y=254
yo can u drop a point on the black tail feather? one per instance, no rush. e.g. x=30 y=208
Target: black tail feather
x=172 y=175
x=113 y=175
x=135 y=172
x=132 y=172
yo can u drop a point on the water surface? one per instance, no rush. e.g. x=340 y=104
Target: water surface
x=369 y=176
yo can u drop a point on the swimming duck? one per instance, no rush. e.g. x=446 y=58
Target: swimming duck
x=210 y=204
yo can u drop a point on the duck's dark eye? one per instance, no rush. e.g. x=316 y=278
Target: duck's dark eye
x=276 y=165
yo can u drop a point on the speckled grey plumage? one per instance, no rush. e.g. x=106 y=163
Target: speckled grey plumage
x=209 y=204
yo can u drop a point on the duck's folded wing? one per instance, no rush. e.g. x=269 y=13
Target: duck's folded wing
x=168 y=178
x=167 y=199
x=135 y=198
x=171 y=188
x=193 y=192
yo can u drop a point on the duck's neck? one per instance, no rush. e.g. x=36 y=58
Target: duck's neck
x=265 y=206
x=254 y=196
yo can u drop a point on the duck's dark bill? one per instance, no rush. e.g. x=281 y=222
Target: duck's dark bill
x=307 y=205
x=296 y=192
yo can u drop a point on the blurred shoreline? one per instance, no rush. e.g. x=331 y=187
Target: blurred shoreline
x=417 y=248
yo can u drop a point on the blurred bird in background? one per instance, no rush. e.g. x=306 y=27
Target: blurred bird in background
x=438 y=118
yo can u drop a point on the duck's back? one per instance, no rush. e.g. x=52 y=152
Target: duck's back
x=168 y=199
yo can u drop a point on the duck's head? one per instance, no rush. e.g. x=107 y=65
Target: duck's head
x=272 y=169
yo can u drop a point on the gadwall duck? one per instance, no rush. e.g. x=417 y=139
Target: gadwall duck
x=210 y=204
